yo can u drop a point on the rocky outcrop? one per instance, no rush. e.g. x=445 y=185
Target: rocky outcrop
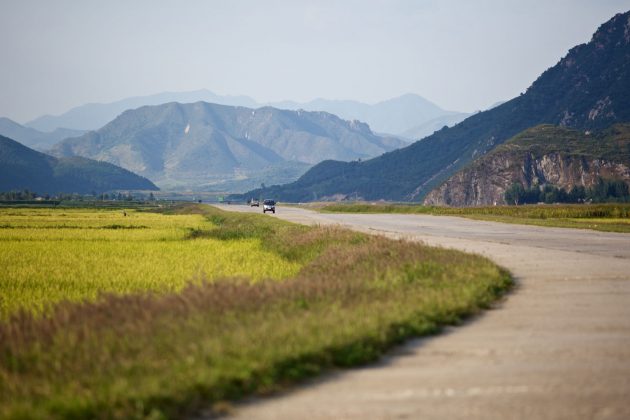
x=485 y=183
x=544 y=155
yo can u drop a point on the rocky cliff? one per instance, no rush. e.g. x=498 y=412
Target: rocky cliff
x=543 y=155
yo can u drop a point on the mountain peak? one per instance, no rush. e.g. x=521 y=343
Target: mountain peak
x=615 y=30
x=588 y=87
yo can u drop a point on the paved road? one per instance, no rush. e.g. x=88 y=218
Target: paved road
x=556 y=348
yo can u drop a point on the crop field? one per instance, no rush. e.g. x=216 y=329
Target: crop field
x=51 y=255
x=603 y=217
x=159 y=315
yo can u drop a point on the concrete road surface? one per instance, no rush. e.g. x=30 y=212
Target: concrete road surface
x=557 y=348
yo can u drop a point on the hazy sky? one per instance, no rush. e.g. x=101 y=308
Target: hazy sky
x=461 y=54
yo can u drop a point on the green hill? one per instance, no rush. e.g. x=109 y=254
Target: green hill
x=24 y=168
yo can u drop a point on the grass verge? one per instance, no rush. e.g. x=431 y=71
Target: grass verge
x=154 y=355
x=602 y=217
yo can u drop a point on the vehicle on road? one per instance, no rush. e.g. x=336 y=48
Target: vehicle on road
x=269 y=205
x=254 y=203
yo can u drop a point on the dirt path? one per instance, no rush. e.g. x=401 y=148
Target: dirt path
x=557 y=348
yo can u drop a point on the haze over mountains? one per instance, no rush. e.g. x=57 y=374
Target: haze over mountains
x=406 y=116
x=33 y=138
x=24 y=168
x=94 y=116
x=204 y=145
x=588 y=89
x=429 y=127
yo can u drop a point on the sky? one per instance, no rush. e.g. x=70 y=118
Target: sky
x=463 y=55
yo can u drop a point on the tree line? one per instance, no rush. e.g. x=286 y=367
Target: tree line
x=27 y=195
x=605 y=190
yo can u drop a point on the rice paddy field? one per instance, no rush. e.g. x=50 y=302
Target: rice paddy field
x=51 y=255
x=162 y=314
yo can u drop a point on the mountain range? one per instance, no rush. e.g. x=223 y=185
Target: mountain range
x=403 y=116
x=588 y=89
x=95 y=115
x=23 y=168
x=206 y=145
x=34 y=138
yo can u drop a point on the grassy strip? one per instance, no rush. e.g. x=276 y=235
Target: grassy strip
x=150 y=355
x=602 y=217
x=600 y=224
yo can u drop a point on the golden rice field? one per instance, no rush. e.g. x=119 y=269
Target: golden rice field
x=49 y=255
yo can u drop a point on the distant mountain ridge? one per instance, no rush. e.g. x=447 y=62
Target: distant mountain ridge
x=95 y=115
x=34 y=138
x=202 y=144
x=23 y=168
x=588 y=89
x=429 y=127
x=393 y=116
